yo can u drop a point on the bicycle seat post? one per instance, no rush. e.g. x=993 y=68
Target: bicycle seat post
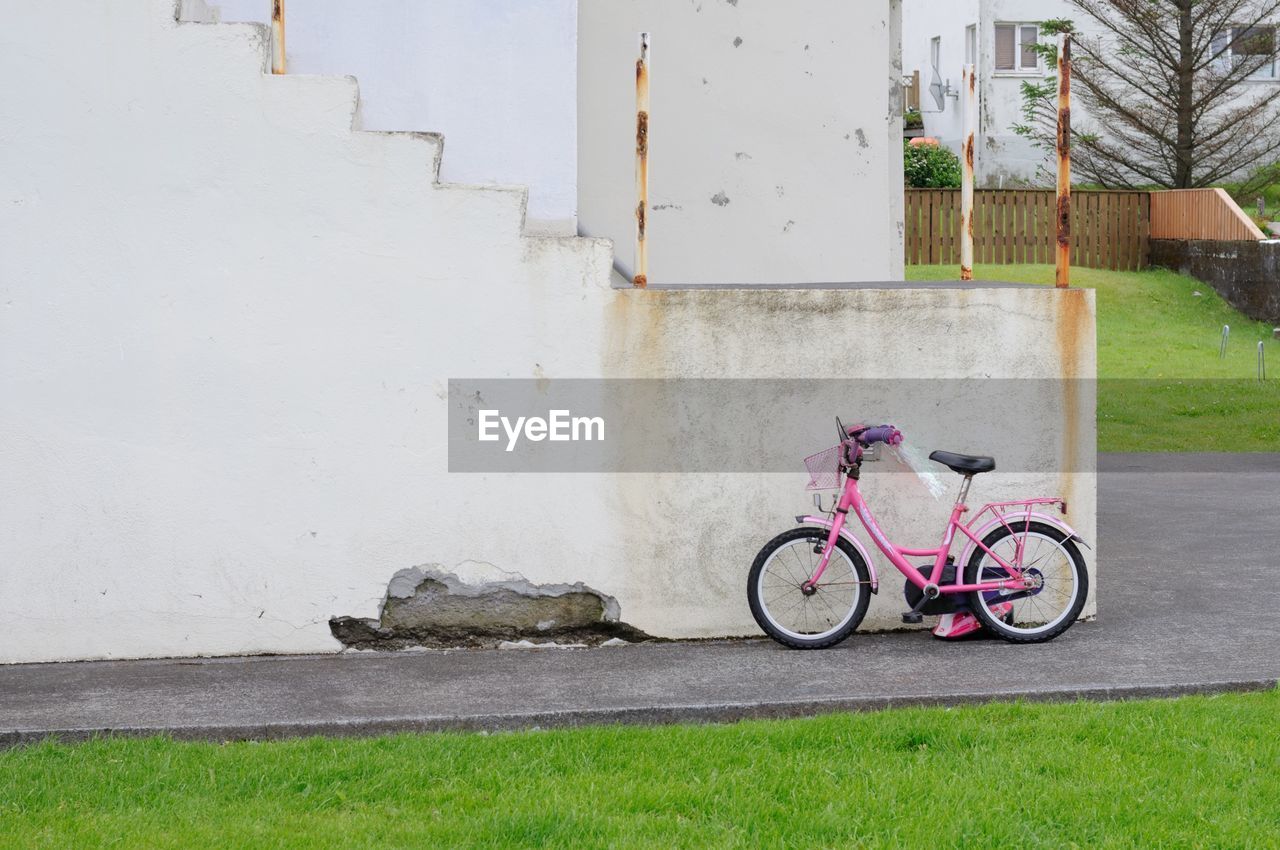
x=964 y=490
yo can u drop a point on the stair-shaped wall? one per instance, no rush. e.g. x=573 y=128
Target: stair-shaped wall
x=229 y=318
x=228 y=326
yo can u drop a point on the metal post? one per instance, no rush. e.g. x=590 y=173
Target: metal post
x=1063 y=276
x=641 y=277
x=1262 y=362
x=277 y=36
x=1222 y=346
x=970 y=91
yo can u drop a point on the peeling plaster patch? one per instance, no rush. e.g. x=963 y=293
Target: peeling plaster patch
x=732 y=2
x=737 y=42
x=786 y=228
x=742 y=155
x=862 y=137
x=720 y=199
x=528 y=644
x=780 y=190
x=666 y=207
x=431 y=607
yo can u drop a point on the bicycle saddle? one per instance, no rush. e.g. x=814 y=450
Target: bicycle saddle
x=964 y=464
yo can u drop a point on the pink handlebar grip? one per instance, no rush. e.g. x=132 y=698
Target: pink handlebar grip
x=883 y=434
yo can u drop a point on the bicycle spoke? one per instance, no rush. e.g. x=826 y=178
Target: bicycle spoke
x=831 y=601
x=1055 y=569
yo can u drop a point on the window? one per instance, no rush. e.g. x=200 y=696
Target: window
x=1015 y=48
x=1251 y=46
x=971 y=44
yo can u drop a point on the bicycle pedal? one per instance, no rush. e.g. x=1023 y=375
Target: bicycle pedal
x=913 y=617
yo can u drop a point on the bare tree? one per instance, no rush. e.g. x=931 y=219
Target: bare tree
x=1168 y=86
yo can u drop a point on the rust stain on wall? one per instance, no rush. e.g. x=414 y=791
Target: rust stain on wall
x=1071 y=324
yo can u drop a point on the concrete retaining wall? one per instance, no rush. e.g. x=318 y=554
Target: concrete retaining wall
x=1246 y=274
x=229 y=325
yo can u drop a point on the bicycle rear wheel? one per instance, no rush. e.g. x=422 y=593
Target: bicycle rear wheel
x=1052 y=560
x=796 y=613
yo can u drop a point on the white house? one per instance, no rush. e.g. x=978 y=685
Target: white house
x=939 y=38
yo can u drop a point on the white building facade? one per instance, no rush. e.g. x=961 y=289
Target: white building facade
x=996 y=36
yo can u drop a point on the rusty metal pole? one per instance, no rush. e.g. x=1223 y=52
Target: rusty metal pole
x=277 y=36
x=970 y=93
x=641 y=277
x=1063 y=276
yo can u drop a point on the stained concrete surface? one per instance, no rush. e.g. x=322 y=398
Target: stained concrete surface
x=1189 y=548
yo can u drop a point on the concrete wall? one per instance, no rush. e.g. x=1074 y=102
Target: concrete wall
x=774 y=136
x=229 y=323
x=1247 y=274
x=498 y=79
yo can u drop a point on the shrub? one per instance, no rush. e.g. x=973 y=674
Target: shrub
x=930 y=166
x=912 y=119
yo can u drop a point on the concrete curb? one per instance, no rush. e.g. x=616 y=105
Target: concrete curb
x=640 y=716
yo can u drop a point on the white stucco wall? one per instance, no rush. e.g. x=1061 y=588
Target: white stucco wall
x=228 y=325
x=497 y=78
x=774 y=138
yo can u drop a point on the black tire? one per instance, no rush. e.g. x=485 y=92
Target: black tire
x=793 y=640
x=1007 y=630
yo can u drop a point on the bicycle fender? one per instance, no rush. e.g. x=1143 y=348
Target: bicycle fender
x=1047 y=519
x=823 y=522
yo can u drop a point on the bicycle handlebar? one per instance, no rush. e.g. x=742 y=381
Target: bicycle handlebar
x=886 y=434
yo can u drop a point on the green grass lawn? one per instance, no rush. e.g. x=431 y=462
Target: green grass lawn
x=1195 y=772
x=1162 y=385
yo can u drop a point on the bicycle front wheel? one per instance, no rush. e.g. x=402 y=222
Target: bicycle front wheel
x=796 y=612
x=1060 y=582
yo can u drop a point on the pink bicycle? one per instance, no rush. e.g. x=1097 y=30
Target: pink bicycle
x=1023 y=575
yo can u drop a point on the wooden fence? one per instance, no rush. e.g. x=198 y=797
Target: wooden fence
x=1200 y=214
x=1109 y=230
x=911 y=91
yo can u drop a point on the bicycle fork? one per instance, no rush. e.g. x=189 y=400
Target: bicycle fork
x=837 y=525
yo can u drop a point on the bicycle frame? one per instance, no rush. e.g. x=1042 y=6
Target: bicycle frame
x=851 y=499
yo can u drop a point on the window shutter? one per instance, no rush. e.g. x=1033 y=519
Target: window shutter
x=1006 y=47
x=1029 y=37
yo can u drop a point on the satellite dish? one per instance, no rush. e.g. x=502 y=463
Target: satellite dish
x=939 y=92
